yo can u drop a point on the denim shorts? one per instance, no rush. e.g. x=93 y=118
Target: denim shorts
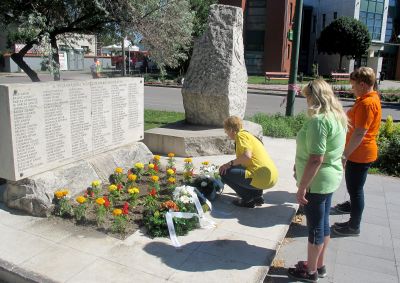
x=317 y=213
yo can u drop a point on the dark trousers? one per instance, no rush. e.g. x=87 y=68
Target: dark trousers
x=317 y=213
x=235 y=178
x=356 y=175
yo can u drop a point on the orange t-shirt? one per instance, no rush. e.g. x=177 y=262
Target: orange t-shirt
x=366 y=114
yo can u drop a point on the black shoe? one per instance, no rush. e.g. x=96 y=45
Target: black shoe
x=259 y=201
x=341 y=224
x=242 y=203
x=302 y=275
x=344 y=207
x=321 y=271
x=346 y=231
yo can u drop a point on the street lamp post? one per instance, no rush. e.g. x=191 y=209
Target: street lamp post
x=294 y=58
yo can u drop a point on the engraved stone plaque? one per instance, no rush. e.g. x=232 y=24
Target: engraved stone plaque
x=46 y=125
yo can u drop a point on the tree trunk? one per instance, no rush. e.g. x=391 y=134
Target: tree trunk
x=340 y=63
x=18 y=58
x=56 y=60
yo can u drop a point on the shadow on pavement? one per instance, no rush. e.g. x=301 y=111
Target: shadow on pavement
x=277 y=275
x=221 y=254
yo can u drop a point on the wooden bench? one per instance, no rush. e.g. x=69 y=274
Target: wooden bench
x=276 y=76
x=340 y=76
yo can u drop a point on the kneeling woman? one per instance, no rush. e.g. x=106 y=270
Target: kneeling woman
x=252 y=170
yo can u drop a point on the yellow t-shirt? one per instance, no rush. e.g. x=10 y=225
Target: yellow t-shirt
x=261 y=169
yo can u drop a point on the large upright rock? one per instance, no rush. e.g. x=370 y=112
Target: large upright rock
x=215 y=86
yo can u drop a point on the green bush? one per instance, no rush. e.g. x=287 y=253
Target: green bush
x=389 y=148
x=278 y=125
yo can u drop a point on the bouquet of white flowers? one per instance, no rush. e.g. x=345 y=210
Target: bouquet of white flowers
x=208 y=182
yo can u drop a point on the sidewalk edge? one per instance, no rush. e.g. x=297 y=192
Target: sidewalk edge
x=12 y=273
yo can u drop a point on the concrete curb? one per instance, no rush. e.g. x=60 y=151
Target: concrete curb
x=12 y=273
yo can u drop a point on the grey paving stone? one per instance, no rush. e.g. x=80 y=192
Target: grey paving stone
x=373 y=219
x=378 y=202
x=196 y=268
x=364 y=262
x=375 y=235
x=348 y=274
x=351 y=245
x=107 y=271
x=393 y=197
x=59 y=263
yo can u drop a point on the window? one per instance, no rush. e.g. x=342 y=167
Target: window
x=323 y=20
x=255 y=40
x=371 y=14
x=335 y=15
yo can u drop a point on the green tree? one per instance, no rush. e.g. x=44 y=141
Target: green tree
x=345 y=36
x=43 y=22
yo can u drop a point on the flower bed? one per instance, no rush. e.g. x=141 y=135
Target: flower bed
x=140 y=196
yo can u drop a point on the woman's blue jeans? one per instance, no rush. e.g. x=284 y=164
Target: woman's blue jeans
x=317 y=213
x=356 y=175
x=235 y=178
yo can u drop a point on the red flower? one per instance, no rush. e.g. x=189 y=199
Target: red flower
x=119 y=187
x=92 y=194
x=85 y=195
x=107 y=202
x=173 y=168
x=125 y=209
x=156 y=167
x=153 y=192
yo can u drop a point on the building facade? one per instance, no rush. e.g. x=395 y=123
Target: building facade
x=267 y=26
x=373 y=13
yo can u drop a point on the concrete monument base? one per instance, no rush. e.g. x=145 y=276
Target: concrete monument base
x=188 y=140
x=34 y=194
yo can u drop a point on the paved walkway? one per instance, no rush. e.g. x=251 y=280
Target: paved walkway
x=239 y=249
x=373 y=257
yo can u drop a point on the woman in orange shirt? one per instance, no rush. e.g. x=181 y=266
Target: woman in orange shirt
x=361 y=148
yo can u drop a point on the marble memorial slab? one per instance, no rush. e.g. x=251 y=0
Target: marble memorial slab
x=47 y=125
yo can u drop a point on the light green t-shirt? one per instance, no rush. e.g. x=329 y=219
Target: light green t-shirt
x=321 y=135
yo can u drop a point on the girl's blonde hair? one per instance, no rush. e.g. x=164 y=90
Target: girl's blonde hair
x=233 y=123
x=324 y=101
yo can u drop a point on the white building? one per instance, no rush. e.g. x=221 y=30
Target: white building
x=373 y=13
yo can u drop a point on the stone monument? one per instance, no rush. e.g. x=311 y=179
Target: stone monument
x=215 y=86
x=65 y=135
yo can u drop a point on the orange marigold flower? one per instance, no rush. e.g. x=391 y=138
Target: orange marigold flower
x=155 y=178
x=81 y=199
x=171 y=154
x=117 y=212
x=169 y=204
x=171 y=180
x=100 y=201
x=132 y=177
x=65 y=192
x=59 y=194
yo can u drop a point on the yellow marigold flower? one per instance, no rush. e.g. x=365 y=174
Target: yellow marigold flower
x=81 y=199
x=96 y=183
x=119 y=170
x=156 y=157
x=65 y=192
x=117 y=212
x=170 y=172
x=133 y=191
x=59 y=194
x=132 y=177
x=100 y=201
x=155 y=178
x=205 y=162
x=151 y=166
x=187 y=160
x=112 y=188
x=139 y=165
x=171 y=180
x=171 y=154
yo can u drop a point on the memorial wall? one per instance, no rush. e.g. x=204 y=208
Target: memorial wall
x=46 y=125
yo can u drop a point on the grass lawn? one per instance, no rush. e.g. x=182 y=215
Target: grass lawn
x=156 y=119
